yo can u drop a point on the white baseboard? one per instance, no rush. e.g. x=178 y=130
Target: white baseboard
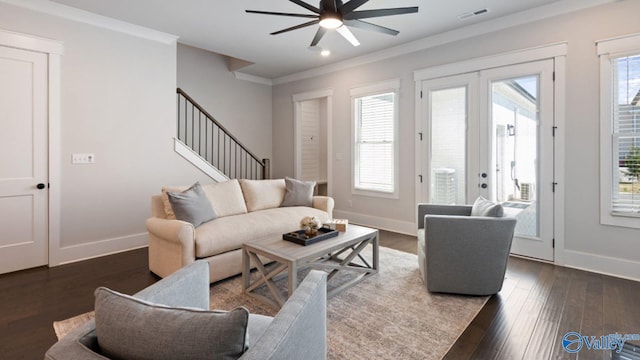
x=398 y=226
x=75 y=253
x=605 y=265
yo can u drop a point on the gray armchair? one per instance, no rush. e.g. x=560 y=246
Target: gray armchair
x=460 y=253
x=298 y=331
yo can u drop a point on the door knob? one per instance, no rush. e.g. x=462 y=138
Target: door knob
x=484 y=175
x=41 y=186
x=484 y=186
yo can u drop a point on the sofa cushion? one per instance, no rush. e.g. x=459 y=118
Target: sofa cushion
x=191 y=205
x=298 y=192
x=262 y=194
x=130 y=328
x=230 y=232
x=484 y=207
x=226 y=197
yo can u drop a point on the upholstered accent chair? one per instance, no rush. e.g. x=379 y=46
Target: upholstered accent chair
x=179 y=302
x=460 y=253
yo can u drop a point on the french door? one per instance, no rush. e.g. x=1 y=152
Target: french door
x=490 y=133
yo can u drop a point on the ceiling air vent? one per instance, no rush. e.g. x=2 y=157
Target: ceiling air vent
x=469 y=15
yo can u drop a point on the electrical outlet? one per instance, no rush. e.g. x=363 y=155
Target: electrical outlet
x=83 y=158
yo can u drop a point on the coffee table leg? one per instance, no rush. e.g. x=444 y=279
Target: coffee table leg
x=293 y=278
x=246 y=269
x=376 y=254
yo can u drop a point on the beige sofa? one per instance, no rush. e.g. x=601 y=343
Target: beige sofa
x=246 y=210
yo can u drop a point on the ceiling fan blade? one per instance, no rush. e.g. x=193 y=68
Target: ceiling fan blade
x=319 y=34
x=352 y=5
x=296 y=27
x=306 y=6
x=365 y=14
x=281 y=14
x=371 y=27
x=347 y=34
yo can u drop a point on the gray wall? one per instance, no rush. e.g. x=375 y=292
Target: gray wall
x=118 y=101
x=588 y=244
x=242 y=107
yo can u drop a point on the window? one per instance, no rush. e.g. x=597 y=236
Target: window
x=620 y=131
x=375 y=114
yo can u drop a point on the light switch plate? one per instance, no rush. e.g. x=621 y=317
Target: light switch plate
x=85 y=158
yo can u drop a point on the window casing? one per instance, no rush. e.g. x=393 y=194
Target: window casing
x=620 y=131
x=375 y=145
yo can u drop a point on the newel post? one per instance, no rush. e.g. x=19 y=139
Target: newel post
x=266 y=170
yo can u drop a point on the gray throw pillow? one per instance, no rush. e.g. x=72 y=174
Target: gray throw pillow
x=130 y=328
x=192 y=205
x=298 y=193
x=484 y=207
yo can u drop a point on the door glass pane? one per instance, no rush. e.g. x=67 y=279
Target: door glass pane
x=515 y=120
x=448 y=114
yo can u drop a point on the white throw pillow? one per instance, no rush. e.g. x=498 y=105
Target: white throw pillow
x=484 y=207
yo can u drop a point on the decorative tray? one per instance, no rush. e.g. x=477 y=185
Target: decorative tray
x=299 y=237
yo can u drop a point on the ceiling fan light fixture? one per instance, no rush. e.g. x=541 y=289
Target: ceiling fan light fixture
x=336 y=14
x=330 y=21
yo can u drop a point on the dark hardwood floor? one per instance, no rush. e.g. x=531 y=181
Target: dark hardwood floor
x=31 y=300
x=538 y=304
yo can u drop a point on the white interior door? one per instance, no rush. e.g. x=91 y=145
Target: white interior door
x=489 y=133
x=309 y=138
x=23 y=159
x=312 y=122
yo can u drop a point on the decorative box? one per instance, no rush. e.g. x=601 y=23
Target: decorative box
x=337 y=224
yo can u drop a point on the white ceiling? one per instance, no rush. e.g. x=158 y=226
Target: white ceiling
x=224 y=27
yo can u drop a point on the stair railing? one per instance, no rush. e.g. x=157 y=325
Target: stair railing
x=200 y=131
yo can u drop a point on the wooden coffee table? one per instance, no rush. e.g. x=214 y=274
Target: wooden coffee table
x=336 y=254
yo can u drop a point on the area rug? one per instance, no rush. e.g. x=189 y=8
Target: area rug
x=387 y=316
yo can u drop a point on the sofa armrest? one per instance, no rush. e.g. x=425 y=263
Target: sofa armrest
x=171 y=245
x=299 y=330
x=432 y=209
x=324 y=203
x=187 y=287
x=171 y=230
x=72 y=347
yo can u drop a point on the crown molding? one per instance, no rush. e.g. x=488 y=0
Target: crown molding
x=82 y=16
x=501 y=23
x=252 y=78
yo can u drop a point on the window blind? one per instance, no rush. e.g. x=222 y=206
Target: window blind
x=374 y=145
x=626 y=134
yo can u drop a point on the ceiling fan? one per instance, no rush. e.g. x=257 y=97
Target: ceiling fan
x=334 y=14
